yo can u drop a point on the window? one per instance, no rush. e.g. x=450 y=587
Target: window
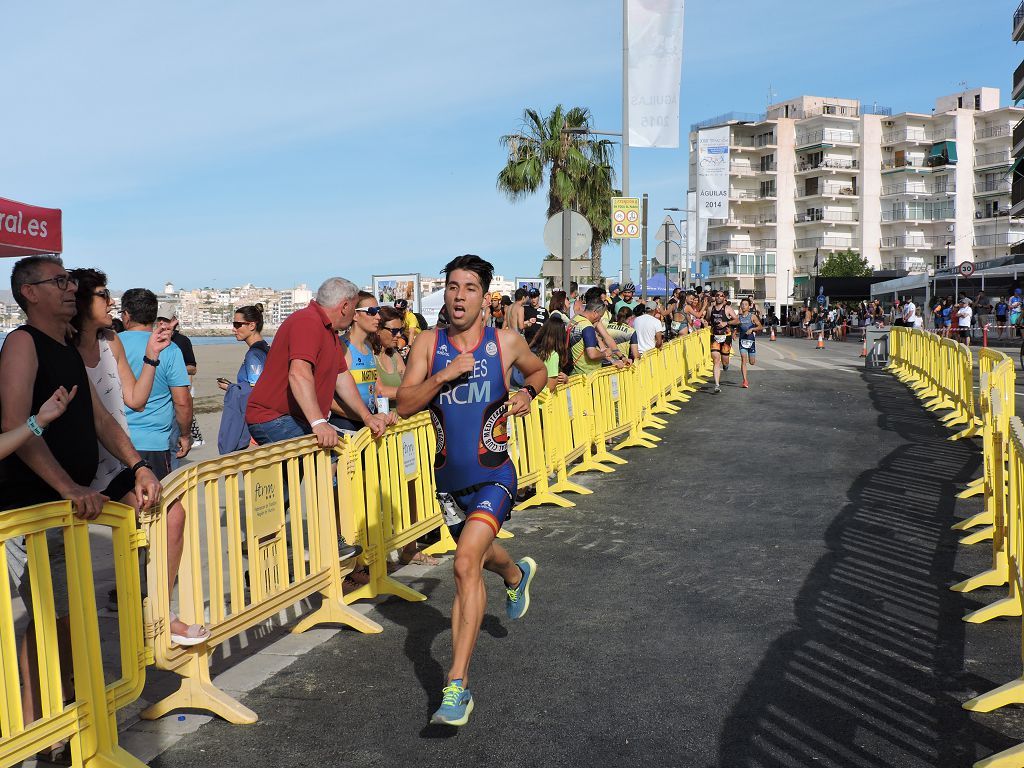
x=960 y=102
x=768 y=188
x=977 y=101
x=768 y=162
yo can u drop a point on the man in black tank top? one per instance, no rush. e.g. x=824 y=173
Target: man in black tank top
x=35 y=360
x=721 y=318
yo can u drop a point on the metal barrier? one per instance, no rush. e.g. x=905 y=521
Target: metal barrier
x=87 y=721
x=389 y=494
x=526 y=449
x=273 y=533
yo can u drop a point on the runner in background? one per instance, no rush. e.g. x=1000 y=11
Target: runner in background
x=749 y=325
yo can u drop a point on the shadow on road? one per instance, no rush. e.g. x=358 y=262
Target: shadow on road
x=874 y=675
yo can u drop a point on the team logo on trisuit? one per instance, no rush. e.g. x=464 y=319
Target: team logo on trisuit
x=440 y=432
x=495 y=431
x=492 y=348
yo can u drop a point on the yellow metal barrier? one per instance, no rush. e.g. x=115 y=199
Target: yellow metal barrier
x=526 y=449
x=387 y=491
x=988 y=359
x=220 y=532
x=88 y=721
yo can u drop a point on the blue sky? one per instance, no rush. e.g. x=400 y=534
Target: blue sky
x=222 y=143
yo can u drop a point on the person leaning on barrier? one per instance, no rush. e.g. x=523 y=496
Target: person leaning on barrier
x=305 y=369
x=36 y=359
x=587 y=352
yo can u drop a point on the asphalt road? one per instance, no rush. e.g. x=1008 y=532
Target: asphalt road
x=766 y=588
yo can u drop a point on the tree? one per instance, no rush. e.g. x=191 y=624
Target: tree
x=845 y=264
x=556 y=149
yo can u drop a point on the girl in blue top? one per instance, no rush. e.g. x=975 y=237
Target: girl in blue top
x=360 y=360
x=248 y=325
x=750 y=324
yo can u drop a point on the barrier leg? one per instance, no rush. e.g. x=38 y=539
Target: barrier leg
x=1008 y=758
x=334 y=611
x=197 y=691
x=1011 y=693
x=982 y=534
x=982 y=518
x=972 y=431
x=974 y=488
x=1000 y=609
x=993 y=577
x=503 y=534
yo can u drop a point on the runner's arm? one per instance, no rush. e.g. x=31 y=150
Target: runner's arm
x=419 y=387
x=515 y=350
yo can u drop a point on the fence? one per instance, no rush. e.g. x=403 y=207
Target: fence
x=261 y=535
x=940 y=372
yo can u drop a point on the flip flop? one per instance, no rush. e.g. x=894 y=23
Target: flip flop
x=196 y=634
x=420 y=558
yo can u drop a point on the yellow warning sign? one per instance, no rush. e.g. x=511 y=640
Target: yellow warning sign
x=625 y=218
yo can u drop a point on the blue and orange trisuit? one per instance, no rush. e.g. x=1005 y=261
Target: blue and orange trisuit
x=470 y=414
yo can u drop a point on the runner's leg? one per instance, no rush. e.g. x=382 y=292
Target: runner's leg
x=474 y=545
x=716 y=356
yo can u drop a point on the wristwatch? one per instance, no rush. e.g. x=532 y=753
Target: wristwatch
x=149 y=361
x=140 y=465
x=533 y=392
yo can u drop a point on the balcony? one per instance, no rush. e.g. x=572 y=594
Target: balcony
x=909 y=241
x=1017 y=191
x=744 y=221
x=743 y=194
x=919 y=188
x=1018 y=138
x=997 y=239
x=993 y=132
x=742 y=169
x=913 y=135
x=987 y=188
x=826 y=189
x=765 y=141
x=767 y=168
x=730 y=270
x=1018 y=83
x=910 y=214
x=829 y=164
x=740 y=245
x=826 y=216
x=992 y=160
x=904 y=265
x=1018 y=23
x=826 y=136
x=810 y=243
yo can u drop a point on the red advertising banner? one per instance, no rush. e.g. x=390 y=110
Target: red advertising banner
x=28 y=229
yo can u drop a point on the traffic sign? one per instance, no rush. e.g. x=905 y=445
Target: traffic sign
x=580 y=234
x=667 y=253
x=966 y=268
x=822 y=300
x=625 y=217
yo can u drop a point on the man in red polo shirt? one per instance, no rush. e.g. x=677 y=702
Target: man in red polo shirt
x=304 y=370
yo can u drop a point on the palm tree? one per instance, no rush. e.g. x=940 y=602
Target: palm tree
x=557 y=149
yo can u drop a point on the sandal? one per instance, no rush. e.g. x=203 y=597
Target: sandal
x=420 y=558
x=55 y=756
x=196 y=634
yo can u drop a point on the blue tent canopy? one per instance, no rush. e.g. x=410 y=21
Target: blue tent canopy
x=656 y=284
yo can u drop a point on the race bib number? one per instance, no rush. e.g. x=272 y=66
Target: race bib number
x=746 y=343
x=720 y=337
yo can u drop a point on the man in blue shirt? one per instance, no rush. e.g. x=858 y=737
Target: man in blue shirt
x=170 y=401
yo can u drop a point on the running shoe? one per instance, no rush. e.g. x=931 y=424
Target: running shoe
x=745 y=385
x=456 y=705
x=716 y=390
x=518 y=601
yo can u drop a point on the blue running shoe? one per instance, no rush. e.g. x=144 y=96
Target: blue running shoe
x=456 y=705
x=518 y=601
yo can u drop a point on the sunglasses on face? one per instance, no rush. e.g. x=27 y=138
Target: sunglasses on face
x=392 y=331
x=61 y=281
x=370 y=311
x=240 y=323
x=102 y=293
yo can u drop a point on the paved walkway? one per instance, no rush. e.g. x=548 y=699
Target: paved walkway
x=766 y=588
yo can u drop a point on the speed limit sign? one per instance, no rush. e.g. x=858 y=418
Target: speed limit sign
x=966 y=269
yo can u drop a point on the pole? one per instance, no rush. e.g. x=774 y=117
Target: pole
x=625 y=129
x=643 y=250
x=666 y=259
x=566 y=249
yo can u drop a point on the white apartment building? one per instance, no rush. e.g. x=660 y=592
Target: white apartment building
x=817 y=175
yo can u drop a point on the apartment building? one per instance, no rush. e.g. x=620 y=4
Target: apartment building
x=815 y=175
x=1017 y=93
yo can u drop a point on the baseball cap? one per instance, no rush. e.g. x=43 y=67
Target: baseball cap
x=613 y=287
x=401 y=304
x=533 y=293
x=496 y=295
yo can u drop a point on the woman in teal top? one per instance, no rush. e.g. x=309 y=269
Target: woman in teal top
x=750 y=324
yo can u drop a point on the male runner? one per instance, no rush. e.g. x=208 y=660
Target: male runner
x=721 y=317
x=461 y=373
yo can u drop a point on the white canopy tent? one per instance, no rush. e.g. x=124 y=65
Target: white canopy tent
x=430 y=306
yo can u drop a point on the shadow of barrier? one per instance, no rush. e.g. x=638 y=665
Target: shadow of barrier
x=261 y=534
x=78 y=707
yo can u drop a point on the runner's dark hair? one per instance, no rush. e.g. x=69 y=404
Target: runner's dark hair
x=482 y=269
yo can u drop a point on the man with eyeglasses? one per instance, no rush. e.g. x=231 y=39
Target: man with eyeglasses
x=306 y=369
x=721 y=318
x=60 y=461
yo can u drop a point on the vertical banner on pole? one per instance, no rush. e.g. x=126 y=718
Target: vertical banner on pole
x=713 y=173
x=655 y=67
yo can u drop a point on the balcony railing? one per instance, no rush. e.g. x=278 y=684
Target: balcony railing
x=826 y=188
x=993 y=132
x=742 y=169
x=1018 y=82
x=919 y=188
x=1018 y=19
x=724 y=270
x=988 y=187
x=728 y=117
x=830 y=163
x=765 y=141
x=767 y=167
x=743 y=194
x=740 y=245
x=914 y=134
x=992 y=158
x=1017 y=193
x=827 y=136
x=804 y=243
x=998 y=238
x=764 y=218
x=907 y=241
x=842 y=216
x=904 y=265
x=914 y=215
x=1018 y=134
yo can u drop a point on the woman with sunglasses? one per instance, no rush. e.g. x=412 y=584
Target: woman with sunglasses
x=248 y=325
x=116 y=387
x=360 y=360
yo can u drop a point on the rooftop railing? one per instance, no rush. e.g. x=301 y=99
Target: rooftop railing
x=729 y=117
